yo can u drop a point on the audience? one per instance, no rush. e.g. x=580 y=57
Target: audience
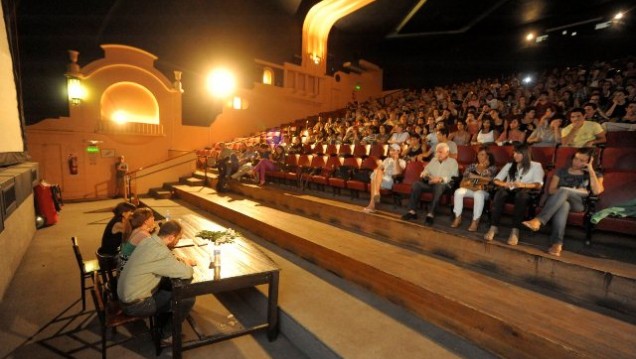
x=568 y=188
x=436 y=178
x=383 y=175
x=514 y=182
x=474 y=185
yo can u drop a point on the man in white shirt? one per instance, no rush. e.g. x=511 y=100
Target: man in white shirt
x=436 y=178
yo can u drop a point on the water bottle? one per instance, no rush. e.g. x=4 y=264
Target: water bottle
x=167 y=215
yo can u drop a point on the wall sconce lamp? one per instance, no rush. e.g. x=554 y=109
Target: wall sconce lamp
x=73 y=80
x=75 y=91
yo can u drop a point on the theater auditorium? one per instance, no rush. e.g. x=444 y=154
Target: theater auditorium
x=318 y=179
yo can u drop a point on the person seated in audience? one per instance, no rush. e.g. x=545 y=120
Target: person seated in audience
x=514 y=182
x=383 y=175
x=529 y=120
x=568 y=188
x=593 y=113
x=369 y=135
x=486 y=134
x=472 y=125
x=497 y=123
x=382 y=136
x=618 y=107
x=117 y=228
x=626 y=123
x=541 y=104
x=142 y=222
x=398 y=136
x=249 y=156
x=436 y=178
x=512 y=134
x=269 y=163
x=480 y=172
x=140 y=288
x=442 y=137
x=413 y=151
x=579 y=133
x=543 y=135
x=461 y=137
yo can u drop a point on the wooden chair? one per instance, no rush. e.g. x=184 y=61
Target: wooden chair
x=112 y=316
x=87 y=269
x=108 y=264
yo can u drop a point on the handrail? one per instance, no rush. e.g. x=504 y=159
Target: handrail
x=131 y=176
x=160 y=162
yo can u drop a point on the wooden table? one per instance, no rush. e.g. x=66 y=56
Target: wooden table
x=242 y=265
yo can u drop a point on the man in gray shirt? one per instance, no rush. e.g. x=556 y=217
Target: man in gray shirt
x=140 y=287
x=436 y=178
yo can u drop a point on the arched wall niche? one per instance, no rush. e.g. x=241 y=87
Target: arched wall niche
x=129 y=102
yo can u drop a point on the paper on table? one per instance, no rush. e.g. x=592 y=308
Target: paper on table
x=188 y=242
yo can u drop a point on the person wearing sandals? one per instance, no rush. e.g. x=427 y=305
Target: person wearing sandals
x=515 y=181
x=481 y=171
x=382 y=176
x=568 y=188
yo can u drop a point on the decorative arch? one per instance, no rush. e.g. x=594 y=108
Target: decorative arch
x=129 y=102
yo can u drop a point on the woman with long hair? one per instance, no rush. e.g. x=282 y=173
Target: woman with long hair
x=514 y=182
x=117 y=228
x=142 y=222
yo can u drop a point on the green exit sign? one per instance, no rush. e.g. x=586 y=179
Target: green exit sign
x=92 y=149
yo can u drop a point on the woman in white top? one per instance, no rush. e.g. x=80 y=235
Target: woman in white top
x=515 y=181
x=382 y=176
x=486 y=135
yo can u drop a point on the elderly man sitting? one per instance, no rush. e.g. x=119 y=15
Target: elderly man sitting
x=436 y=178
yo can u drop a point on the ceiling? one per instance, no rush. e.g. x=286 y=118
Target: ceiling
x=417 y=42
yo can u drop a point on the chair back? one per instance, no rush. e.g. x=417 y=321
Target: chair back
x=78 y=254
x=108 y=264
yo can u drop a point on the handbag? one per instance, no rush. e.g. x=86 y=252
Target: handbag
x=474 y=184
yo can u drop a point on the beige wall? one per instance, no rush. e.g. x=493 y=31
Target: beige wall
x=51 y=141
x=19 y=230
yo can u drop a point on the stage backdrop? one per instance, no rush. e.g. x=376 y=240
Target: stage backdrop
x=11 y=137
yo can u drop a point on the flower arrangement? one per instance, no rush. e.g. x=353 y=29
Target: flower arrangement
x=219 y=237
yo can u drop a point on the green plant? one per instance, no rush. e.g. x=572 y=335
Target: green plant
x=219 y=237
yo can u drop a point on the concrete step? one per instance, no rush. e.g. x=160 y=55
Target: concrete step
x=160 y=193
x=326 y=316
x=191 y=181
x=506 y=319
x=583 y=280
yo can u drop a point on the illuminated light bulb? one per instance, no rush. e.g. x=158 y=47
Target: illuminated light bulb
x=221 y=83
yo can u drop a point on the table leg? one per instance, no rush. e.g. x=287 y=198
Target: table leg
x=177 y=321
x=272 y=310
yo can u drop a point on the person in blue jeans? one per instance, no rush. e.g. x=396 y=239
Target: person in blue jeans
x=568 y=188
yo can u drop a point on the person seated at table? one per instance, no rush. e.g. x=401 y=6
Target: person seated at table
x=568 y=188
x=382 y=176
x=140 y=288
x=515 y=181
x=436 y=178
x=482 y=171
x=142 y=222
x=117 y=228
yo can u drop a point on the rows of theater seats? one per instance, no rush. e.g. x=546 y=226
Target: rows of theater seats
x=349 y=166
